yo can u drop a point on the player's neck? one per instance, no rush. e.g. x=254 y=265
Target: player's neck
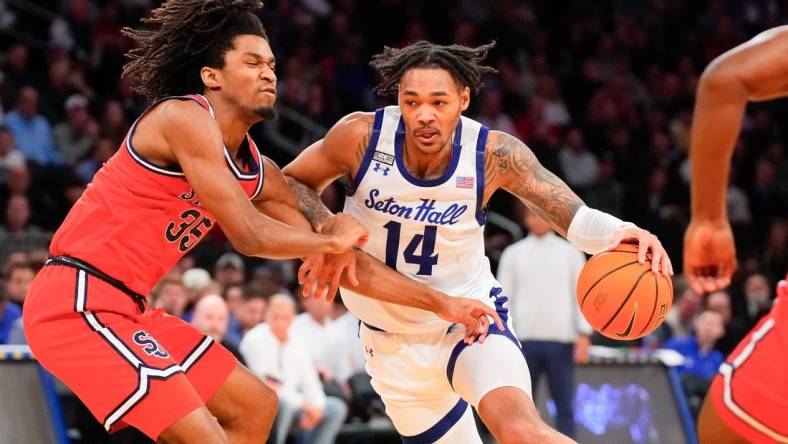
x=232 y=122
x=424 y=165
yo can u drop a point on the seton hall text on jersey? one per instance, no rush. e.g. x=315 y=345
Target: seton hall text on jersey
x=423 y=212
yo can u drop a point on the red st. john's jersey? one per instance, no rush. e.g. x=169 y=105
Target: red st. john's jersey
x=137 y=219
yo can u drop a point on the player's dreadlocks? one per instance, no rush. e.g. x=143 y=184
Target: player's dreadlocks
x=182 y=36
x=464 y=64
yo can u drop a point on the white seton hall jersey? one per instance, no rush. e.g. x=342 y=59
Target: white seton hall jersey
x=431 y=231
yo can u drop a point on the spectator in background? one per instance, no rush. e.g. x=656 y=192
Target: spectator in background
x=272 y=277
x=284 y=364
x=211 y=316
x=734 y=329
x=492 y=114
x=20 y=276
x=229 y=270
x=101 y=152
x=252 y=311
x=17 y=181
x=737 y=204
x=74 y=137
x=16 y=334
x=316 y=330
x=686 y=306
x=58 y=88
x=767 y=197
x=17 y=215
x=11 y=258
x=775 y=255
x=196 y=281
x=114 y=123
x=17 y=71
x=233 y=295
x=17 y=233
x=701 y=359
x=543 y=267
x=170 y=295
x=9 y=313
x=758 y=297
x=607 y=194
x=580 y=166
x=555 y=113
x=42 y=199
x=10 y=157
x=346 y=327
x=31 y=130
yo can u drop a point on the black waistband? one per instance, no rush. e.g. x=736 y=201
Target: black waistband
x=73 y=262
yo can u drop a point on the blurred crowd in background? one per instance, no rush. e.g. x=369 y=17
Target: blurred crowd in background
x=601 y=91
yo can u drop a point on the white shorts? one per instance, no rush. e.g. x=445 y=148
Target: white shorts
x=426 y=381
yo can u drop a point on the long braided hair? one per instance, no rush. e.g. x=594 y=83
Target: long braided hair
x=463 y=63
x=182 y=36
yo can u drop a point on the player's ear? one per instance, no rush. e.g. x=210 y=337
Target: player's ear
x=465 y=97
x=211 y=77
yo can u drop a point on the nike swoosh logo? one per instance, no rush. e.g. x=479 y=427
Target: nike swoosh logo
x=631 y=322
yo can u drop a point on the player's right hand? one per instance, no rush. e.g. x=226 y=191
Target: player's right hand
x=346 y=230
x=709 y=255
x=473 y=314
x=320 y=274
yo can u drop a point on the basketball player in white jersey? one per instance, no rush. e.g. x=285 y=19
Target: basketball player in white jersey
x=421 y=176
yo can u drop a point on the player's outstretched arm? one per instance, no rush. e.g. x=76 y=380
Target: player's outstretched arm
x=511 y=165
x=277 y=201
x=196 y=144
x=756 y=70
x=338 y=154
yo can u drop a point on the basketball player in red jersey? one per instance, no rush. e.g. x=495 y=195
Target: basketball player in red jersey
x=186 y=165
x=748 y=399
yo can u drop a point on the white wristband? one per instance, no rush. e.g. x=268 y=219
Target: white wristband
x=592 y=230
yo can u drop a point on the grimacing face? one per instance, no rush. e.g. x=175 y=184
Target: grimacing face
x=247 y=78
x=431 y=102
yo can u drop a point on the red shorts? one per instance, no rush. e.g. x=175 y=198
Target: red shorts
x=750 y=393
x=145 y=369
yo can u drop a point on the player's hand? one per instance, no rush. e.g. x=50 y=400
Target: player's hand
x=310 y=416
x=581 y=349
x=647 y=243
x=320 y=274
x=473 y=314
x=347 y=231
x=709 y=255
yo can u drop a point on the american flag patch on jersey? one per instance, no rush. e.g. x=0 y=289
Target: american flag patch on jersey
x=464 y=181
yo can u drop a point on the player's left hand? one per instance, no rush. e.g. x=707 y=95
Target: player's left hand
x=472 y=314
x=647 y=243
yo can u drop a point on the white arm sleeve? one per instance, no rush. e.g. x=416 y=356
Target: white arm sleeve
x=592 y=230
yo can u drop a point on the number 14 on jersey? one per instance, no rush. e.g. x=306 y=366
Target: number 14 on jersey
x=425 y=260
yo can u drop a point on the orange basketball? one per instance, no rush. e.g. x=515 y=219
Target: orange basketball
x=621 y=298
